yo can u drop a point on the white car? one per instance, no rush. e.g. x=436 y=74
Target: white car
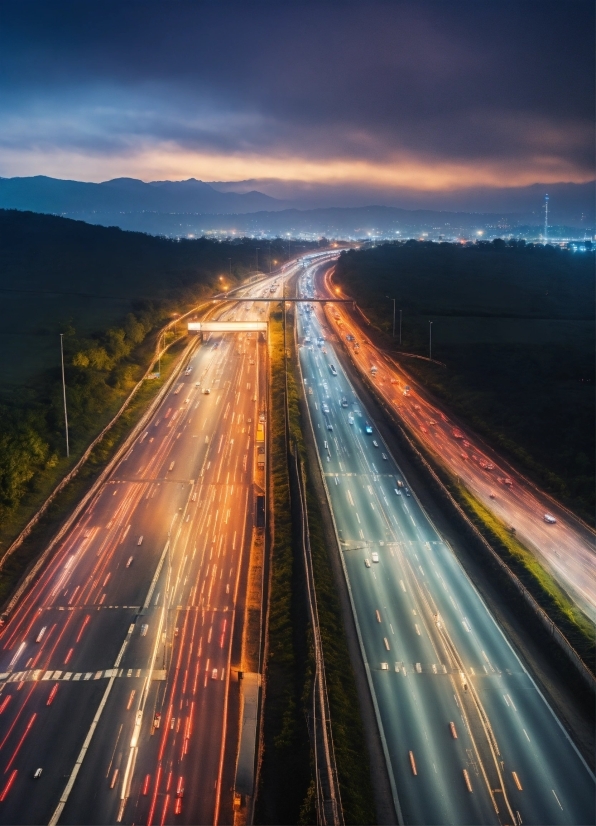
x=374 y=556
x=550 y=519
x=367 y=563
x=375 y=443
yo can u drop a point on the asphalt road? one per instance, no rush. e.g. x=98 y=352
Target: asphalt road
x=468 y=737
x=566 y=548
x=116 y=666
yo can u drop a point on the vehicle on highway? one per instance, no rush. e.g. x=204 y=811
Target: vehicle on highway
x=328 y=424
x=344 y=401
x=197 y=384
x=368 y=428
x=206 y=391
x=350 y=419
x=373 y=370
x=140 y=542
x=398 y=491
x=406 y=390
x=40 y=636
x=333 y=370
x=214 y=674
x=375 y=443
x=325 y=407
x=384 y=455
x=367 y=563
x=157 y=720
x=550 y=519
x=37 y=774
x=144 y=629
x=407 y=491
x=374 y=556
x=129 y=563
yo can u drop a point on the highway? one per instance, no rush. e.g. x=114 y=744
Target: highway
x=468 y=737
x=566 y=548
x=117 y=665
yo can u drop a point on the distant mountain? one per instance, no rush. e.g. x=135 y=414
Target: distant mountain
x=80 y=199
x=193 y=208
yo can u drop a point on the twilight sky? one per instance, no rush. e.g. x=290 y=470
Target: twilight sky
x=386 y=95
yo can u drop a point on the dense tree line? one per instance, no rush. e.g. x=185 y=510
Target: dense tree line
x=114 y=289
x=533 y=399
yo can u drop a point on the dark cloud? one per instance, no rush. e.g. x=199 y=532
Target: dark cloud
x=445 y=82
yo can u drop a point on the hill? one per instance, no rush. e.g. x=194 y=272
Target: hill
x=107 y=291
x=80 y=199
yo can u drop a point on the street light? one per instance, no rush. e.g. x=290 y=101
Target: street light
x=393 y=299
x=64 y=394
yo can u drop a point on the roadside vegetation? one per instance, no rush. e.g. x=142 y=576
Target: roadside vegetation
x=513 y=323
x=108 y=292
x=287 y=791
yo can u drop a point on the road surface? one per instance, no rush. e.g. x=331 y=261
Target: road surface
x=116 y=665
x=468 y=737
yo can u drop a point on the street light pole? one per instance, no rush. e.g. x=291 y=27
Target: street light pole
x=430 y=340
x=64 y=394
x=393 y=299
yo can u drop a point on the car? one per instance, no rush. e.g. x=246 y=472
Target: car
x=492 y=495
x=37 y=774
x=367 y=563
x=129 y=563
x=398 y=491
x=206 y=391
x=310 y=391
x=197 y=383
x=144 y=629
x=384 y=455
x=350 y=419
x=375 y=443
x=368 y=428
x=374 y=556
x=407 y=491
x=140 y=540
x=550 y=519
x=157 y=720
x=325 y=407
x=214 y=674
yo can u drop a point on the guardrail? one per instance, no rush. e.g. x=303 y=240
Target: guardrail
x=329 y=809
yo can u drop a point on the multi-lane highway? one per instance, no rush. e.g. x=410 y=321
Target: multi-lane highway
x=116 y=678
x=566 y=546
x=468 y=737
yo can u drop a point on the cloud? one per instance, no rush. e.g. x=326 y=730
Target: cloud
x=429 y=95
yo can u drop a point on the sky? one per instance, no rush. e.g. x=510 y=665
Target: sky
x=386 y=96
